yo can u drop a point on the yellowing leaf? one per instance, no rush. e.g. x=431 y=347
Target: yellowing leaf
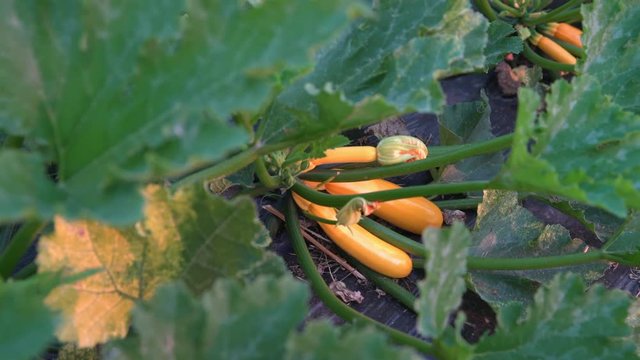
x=134 y=262
x=191 y=235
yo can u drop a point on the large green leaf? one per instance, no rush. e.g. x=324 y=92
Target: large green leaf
x=229 y=321
x=464 y=123
x=586 y=147
x=399 y=52
x=28 y=325
x=121 y=91
x=612 y=41
x=323 y=340
x=565 y=322
x=441 y=291
x=506 y=229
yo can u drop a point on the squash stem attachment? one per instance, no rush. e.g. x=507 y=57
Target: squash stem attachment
x=323 y=292
x=454 y=155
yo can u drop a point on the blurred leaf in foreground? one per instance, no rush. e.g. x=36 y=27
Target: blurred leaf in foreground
x=323 y=340
x=442 y=290
x=28 y=325
x=229 y=321
x=117 y=93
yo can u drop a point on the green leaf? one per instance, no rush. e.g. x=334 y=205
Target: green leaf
x=399 y=52
x=500 y=42
x=220 y=238
x=118 y=93
x=25 y=191
x=28 y=325
x=600 y=222
x=612 y=41
x=586 y=147
x=627 y=237
x=323 y=340
x=229 y=321
x=467 y=123
x=441 y=292
x=328 y=115
x=565 y=322
x=506 y=229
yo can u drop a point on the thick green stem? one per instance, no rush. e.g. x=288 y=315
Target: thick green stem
x=554 y=14
x=323 y=292
x=404 y=296
x=338 y=201
x=231 y=165
x=542 y=262
x=398 y=240
x=18 y=246
x=226 y=167
x=569 y=16
x=544 y=62
x=458 y=204
x=533 y=263
x=459 y=153
x=265 y=178
x=504 y=7
x=486 y=9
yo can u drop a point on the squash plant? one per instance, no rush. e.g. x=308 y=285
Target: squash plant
x=121 y=121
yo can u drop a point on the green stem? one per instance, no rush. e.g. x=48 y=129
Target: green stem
x=398 y=240
x=404 y=296
x=570 y=16
x=504 y=7
x=532 y=263
x=265 y=178
x=553 y=14
x=486 y=9
x=544 y=62
x=338 y=201
x=18 y=246
x=231 y=165
x=323 y=292
x=459 y=204
x=460 y=153
x=226 y=167
x=542 y=262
